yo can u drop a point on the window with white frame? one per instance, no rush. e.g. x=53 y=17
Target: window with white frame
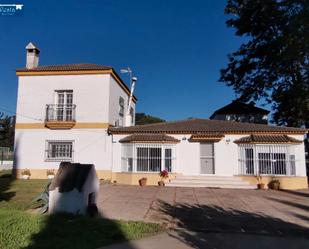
x=272 y=159
x=148 y=157
x=121 y=106
x=64 y=105
x=59 y=151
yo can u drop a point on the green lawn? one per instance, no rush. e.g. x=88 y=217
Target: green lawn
x=21 y=229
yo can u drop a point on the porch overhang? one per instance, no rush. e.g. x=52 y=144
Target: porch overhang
x=268 y=139
x=149 y=138
x=206 y=137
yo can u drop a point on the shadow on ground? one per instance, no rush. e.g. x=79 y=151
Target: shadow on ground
x=67 y=231
x=7 y=178
x=297 y=193
x=63 y=231
x=193 y=224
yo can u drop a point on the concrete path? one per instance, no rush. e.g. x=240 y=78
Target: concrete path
x=161 y=241
x=166 y=205
x=199 y=216
x=172 y=240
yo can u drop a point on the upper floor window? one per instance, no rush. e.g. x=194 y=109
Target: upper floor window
x=63 y=108
x=121 y=106
x=64 y=97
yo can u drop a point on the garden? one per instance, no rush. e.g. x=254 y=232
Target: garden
x=22 y=226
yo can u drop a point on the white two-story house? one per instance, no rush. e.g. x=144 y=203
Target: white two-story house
x=83 y=113
x=63 y=113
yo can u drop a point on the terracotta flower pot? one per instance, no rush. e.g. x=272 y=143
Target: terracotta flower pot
x=142 y=182
x=260 y=185
x=25 y=177
x=274 y=185
x=161 y=183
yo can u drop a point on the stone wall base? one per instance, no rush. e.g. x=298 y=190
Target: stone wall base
x=108 y=175
x=286 y=182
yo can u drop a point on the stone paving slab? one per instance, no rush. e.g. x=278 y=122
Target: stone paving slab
x=205 y=209
x=213 y=241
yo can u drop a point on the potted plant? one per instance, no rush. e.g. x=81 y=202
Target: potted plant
x=163 y=175
x=50 y=173
x=274 y=184
x=142 y=181
x=260 y=184
x=25 y=174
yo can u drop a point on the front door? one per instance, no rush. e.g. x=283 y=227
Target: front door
x=207 y=158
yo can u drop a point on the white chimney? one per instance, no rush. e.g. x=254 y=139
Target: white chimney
x=128 y=118
x=32 y=56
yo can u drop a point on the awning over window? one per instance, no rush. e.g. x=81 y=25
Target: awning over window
x=149 y=138
x=267 y=139
x=206 y=137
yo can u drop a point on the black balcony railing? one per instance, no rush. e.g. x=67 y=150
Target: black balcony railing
x=60 y=113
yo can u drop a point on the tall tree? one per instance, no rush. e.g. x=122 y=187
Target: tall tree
x=7 y=124
x=273 y=63
x=142 y=118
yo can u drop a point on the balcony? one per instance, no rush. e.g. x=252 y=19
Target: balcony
x=60 y=116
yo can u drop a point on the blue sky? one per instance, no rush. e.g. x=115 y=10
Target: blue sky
x=176 y=48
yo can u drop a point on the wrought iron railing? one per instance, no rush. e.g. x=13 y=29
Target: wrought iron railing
x=60 y=113
x=267 y=160
x=143 y=157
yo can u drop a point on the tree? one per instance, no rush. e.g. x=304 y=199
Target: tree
x=7 y=124
x=142 y=118
x=273 y=64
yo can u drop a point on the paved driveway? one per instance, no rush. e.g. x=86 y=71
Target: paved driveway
x=191 y=211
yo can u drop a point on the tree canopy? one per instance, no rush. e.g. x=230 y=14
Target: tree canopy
x=273 y=63
x=142 y=118
x=6 y=131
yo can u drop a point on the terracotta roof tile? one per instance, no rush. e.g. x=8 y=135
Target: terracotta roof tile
x=148 y=138
x=194 y=126
x=65 y=67
x=265 y=139
x=206 y=137
x=73 y=67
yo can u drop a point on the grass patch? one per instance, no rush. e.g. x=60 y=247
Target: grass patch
x=20 y=229
x=17 y=194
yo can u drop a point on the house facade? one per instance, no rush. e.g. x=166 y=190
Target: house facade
x=77 y=113
x=64 y=112
x=210 y=148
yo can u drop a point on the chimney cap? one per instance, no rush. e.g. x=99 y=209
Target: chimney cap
x=32 y=46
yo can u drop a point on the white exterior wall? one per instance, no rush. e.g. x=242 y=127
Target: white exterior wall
x=116 y=152
x=300 y=156
x=225 y=152
x=91 y=146
x=187 y=156
x=115 y=92
x=92 y=95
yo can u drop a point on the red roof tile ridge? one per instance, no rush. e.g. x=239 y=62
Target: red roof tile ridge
x=68 y=65
x=161 y=123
